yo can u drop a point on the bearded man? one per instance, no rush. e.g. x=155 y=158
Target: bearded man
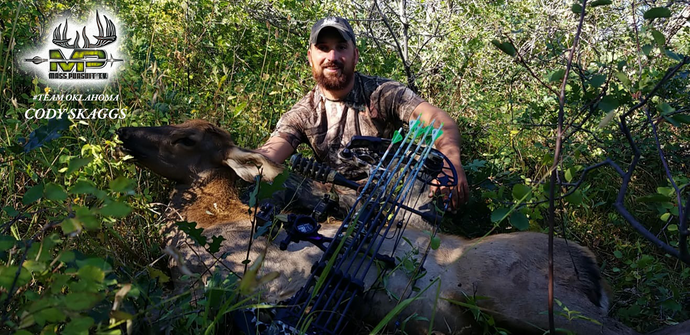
x=346 y=103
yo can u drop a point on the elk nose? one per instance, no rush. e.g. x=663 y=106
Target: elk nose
x=120 y=133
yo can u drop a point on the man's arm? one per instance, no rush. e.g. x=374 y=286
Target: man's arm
x=449 y=145
x=276 y=149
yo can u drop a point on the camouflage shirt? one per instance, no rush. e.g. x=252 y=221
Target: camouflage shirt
x=374 y=107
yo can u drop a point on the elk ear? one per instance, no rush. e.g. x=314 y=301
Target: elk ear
x=248 y=164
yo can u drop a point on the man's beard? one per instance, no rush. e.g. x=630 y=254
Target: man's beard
x=334 y=83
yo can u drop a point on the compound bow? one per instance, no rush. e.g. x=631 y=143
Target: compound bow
x=337 y=279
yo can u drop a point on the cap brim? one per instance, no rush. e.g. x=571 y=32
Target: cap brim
x=343 y=32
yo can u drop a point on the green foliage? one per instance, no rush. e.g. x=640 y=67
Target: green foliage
x=657 y=12
x=77 y=232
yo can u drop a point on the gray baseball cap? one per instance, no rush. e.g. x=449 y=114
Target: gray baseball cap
x=338 y=23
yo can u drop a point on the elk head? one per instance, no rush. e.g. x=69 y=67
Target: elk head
x=189 y=151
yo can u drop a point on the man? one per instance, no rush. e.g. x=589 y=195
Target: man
x=346 y=103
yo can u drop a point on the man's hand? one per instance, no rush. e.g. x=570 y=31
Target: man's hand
x=459 y=194
x=449 y=145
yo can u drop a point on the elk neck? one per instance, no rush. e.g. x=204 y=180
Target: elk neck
x=209 y=199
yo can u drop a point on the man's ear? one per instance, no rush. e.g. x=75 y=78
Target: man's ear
x=248 y=164
x=356 y=55
x=309 y=55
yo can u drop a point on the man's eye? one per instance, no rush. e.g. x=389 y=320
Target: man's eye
x=323 y=48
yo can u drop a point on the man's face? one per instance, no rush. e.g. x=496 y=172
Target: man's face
x=332 y=60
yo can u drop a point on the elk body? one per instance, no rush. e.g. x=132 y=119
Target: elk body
x=508 y=271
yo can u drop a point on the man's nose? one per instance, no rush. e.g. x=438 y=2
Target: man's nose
x=332 y=55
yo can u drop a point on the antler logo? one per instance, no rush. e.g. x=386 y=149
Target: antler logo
x=87 y=56
x=61 y=40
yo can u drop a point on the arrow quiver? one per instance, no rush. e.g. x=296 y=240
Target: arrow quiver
x=339 y=277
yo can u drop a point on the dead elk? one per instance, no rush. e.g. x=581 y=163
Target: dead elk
x=509 y=271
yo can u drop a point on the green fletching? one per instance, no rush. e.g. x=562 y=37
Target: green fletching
x=414 y=125
x=397 y=137
x=438 y=134
x=422 y=133
x=435 y=134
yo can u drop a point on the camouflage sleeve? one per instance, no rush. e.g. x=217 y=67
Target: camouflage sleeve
x=290 y=126
x=395 y=100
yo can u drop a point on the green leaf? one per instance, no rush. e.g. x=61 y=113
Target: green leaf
x=81 y=301
x=70 y=225
x=55 y=192
x=255 y=191
x=521 y=191
x=659 y=38
x=576 y=8
x=435 y=242
x=672 y=305
x=34 y=266
x=673 y=227
x=33 y=194
x=51 y=314
x=83 y=187
x=97 y=262
x=623 y=78
x=672 y=55
x=618 y=254
x=657 y=12
x=87 y=218
x=398 y=309
x=91 y=273
x=7 y=274
x=46 y=133
x=556 y=75
x=77 y=163
x=608 y=103
x=121 y=184
x=499 y=214
x=519 y=221
x=667 y=191
x=67 y=256
x=6 y=242
x=665 y=108
x=116 y=209
x=607 y=119
x=598 y=3
x=78 y=326
x=10 y=211
x=665 y=216
x=569 y=175
x=681 y=118
x=192 y=231
x=155 y=273
x=653 y=198
x=504 y=46
x=575 y=198
x=267 y=190
x=597 y=80
x=214 y=246
x=647 y=49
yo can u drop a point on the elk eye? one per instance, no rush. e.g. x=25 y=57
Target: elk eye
x=186 y=141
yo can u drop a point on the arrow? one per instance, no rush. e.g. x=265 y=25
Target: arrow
x=36 y=60
x=112 y=60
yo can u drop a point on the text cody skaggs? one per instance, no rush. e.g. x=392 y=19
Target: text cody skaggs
x=76 y=113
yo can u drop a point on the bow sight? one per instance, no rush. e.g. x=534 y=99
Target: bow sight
x=339 y=277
